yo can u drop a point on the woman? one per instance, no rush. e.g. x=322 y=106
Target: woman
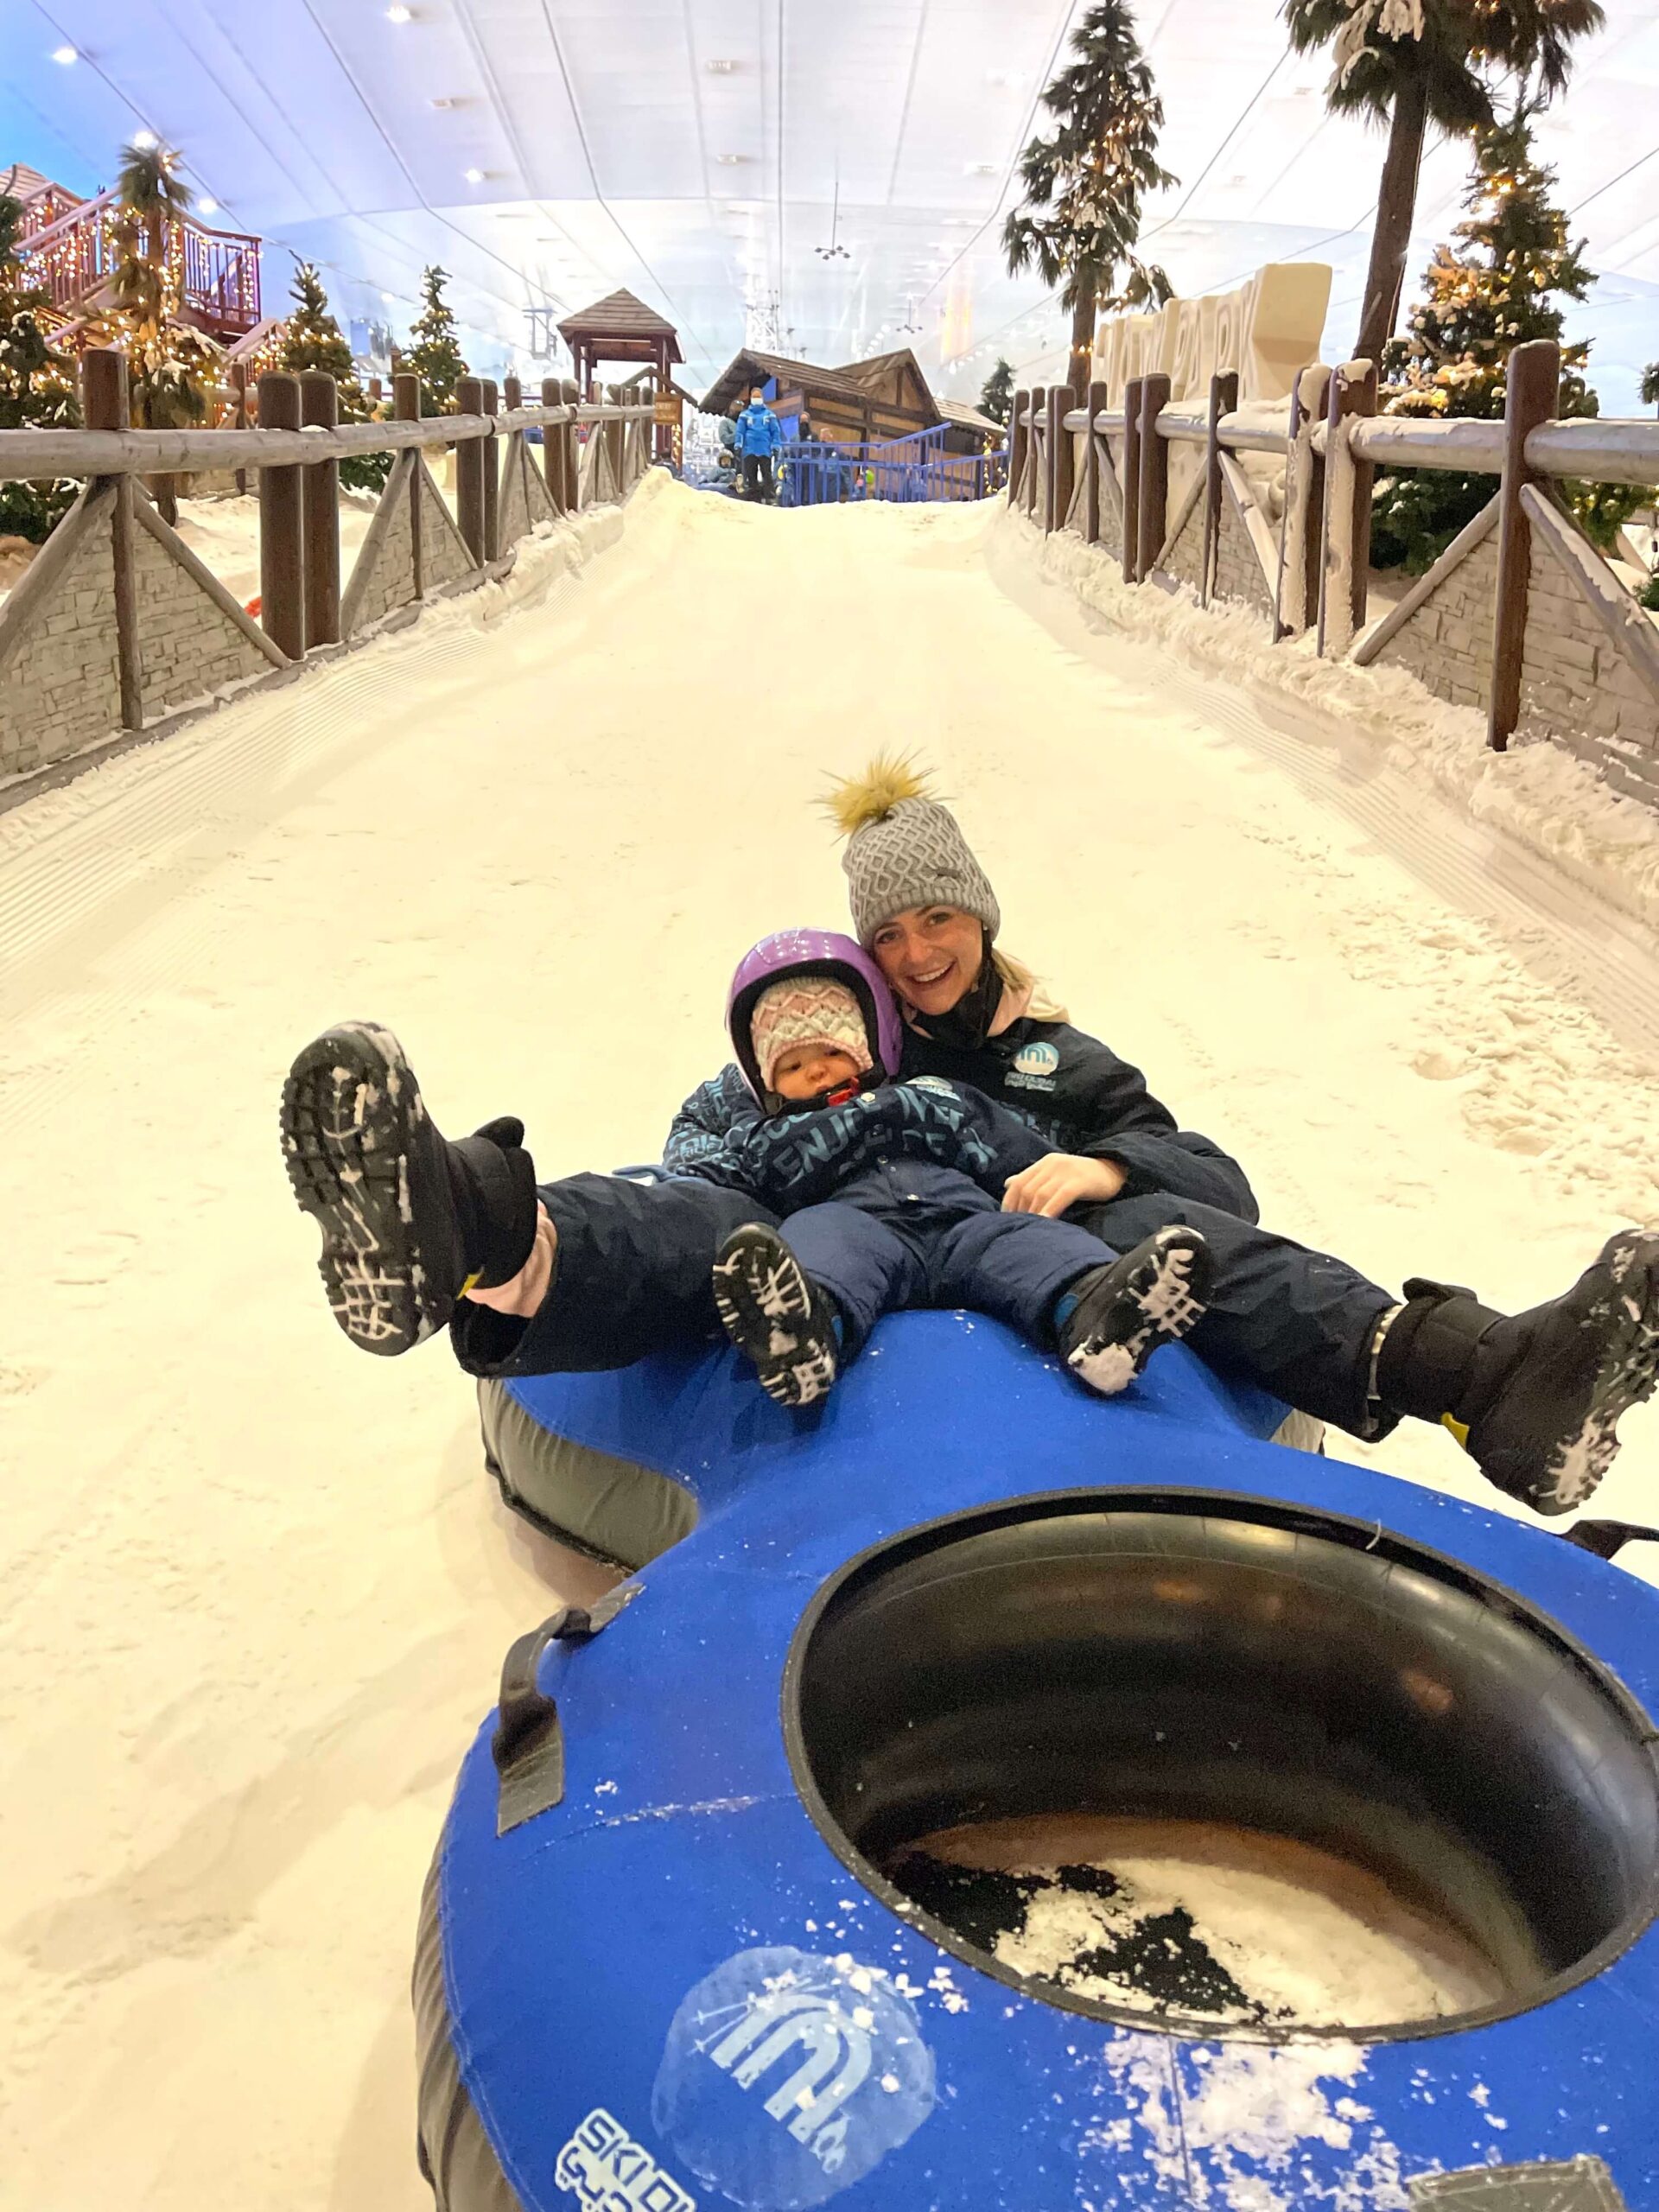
x=1532 y=1398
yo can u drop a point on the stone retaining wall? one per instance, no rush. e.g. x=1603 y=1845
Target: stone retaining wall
x=60 y=684
x=1447 y=643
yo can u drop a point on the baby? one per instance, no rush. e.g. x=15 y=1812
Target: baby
x=891 y=1194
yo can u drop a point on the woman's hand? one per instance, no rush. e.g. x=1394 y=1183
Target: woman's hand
x=1062 y=1180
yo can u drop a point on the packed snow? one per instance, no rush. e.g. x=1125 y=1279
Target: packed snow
x=257 y=1586
x=1187 y=1918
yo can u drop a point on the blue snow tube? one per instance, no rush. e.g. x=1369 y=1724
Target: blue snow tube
x=672 y=1956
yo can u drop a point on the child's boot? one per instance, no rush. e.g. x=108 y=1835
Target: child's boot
x=409 y=1220
x=1534 y=1398
x=1113 y=1319
x=776 y=1315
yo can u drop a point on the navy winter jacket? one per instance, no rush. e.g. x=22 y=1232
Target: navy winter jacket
x=758 y=429
x=804 y=1156
x=1071 y=1090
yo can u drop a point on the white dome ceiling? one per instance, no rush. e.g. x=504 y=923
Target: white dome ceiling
x=550 y=150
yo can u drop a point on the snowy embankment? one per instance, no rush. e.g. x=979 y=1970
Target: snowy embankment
x=256 y=1588
x=1537 y=791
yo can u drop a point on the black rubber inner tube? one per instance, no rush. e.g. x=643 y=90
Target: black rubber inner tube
x=1190 y=1656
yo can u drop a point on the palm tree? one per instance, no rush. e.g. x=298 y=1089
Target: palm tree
x=153 y=193
x=1410 y=63
x=1082 y=211
x=167 y=367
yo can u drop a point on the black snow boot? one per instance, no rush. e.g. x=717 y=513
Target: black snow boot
x=409 y=1220
x=776 y=1315
x=1534 y=1398
x=1125 y=1310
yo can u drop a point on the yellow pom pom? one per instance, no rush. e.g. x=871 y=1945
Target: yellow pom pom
x=872 y=797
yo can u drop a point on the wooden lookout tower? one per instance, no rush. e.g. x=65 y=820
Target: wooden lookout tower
x=623 y=328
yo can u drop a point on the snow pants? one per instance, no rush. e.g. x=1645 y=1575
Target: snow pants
x=757 y=476
x=633 y=1277
x=1294 y=1321
x=909 y=1234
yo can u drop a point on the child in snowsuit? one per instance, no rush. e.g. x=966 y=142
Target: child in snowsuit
x=891 y=1194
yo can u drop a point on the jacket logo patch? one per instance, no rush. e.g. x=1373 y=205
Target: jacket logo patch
x=1038 y=1059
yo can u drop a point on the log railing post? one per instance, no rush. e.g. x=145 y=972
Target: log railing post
x=489 y=447
x=238 y=376
x=1094 y=404
x=1130 y=478
x=570 y=458
x=1037 y=469
x=406 y=407
x=469 y=474
x=1224 y=397
x=1155 y=474
x=512 y=394
x=1061 y=400
x=320 y=405
x=1301 y=551
x=1531 y=396
x=1347 y=524
x=616 y=431
x=1019 y=444
x=282 y=523
x=553 y=447
x=105 y=406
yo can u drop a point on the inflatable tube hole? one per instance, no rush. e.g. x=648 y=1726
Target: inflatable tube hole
x=1189 y=1759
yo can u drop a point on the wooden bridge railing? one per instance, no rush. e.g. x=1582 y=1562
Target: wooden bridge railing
x=116 y=623
x=1103 y=473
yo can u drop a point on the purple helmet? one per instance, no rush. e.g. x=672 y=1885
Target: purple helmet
x=813 y=952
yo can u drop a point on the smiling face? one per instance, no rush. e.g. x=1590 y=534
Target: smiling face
x=931 y=955
x=807 y=1071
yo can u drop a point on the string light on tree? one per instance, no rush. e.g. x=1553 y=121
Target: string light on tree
x=1493 y=288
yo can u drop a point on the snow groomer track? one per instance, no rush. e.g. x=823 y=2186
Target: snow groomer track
x=257 y=1594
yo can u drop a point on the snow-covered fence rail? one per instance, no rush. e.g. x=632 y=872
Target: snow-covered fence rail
x=115 y=625
x=1522 y=616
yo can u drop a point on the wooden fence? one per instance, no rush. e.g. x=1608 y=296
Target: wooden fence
x=115 y=625
x=1520 y=616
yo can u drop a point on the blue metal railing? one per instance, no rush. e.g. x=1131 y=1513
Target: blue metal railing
x=819 y=472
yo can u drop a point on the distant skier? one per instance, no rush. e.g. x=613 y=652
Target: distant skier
x=760 y=437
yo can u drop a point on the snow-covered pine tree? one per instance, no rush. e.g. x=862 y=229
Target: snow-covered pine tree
x=1080 y=216
x=432 y=354
x=37 y=387
x=1494 y=288
x=1409 y=63
x=996 y=393
x=313 y=339
x=1650 y=386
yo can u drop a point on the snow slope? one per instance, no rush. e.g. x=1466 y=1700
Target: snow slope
x=256 y=1590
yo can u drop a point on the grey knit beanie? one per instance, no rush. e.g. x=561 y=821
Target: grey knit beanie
x=903 y=849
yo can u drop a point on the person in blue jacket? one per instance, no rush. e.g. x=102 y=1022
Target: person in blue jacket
x=892 y=1195
x=760 y=437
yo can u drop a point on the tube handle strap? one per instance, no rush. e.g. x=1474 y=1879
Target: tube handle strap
x=528 y=1745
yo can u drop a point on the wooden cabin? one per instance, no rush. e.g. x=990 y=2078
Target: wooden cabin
x=865 y=403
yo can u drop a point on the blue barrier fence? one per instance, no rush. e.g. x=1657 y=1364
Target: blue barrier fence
x=812 y=472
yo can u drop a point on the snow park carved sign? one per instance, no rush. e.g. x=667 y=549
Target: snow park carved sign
x=1266 y=332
